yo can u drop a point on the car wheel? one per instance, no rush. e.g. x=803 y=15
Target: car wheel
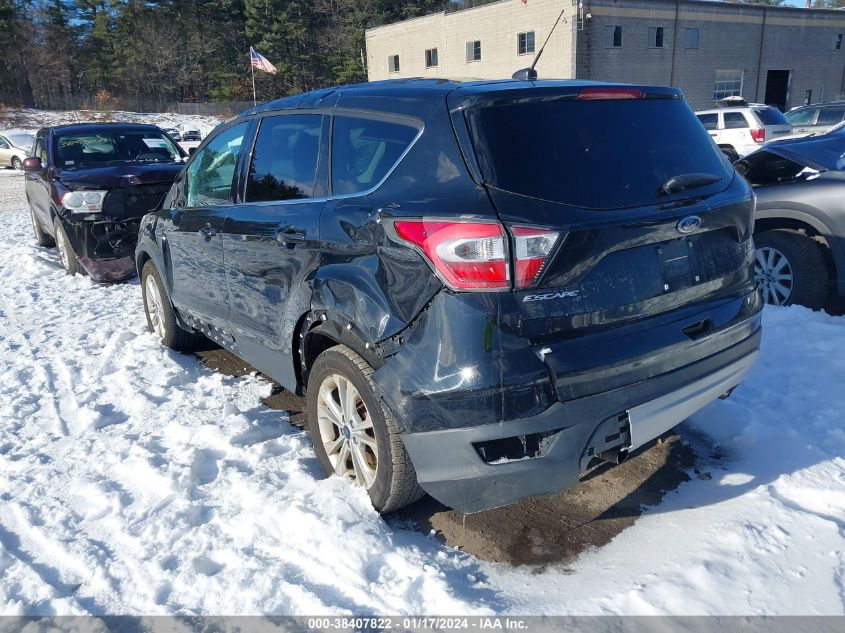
x=66 y=253
x=731 y=154
x=17 y=163
x=161 y=319
x=41 y=238
x=790 y=269
x=353 y=433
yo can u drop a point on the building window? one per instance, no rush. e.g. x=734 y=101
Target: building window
x=692 y=38
x=728 y=84
x=837 y=42
x=393 y=63
x=613 y=35
x=655 y=37
x=430 y=57
x=474 y=51
x=525 y=43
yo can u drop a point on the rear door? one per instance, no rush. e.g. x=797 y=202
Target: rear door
x=803 y=120
x=195 y=223
x=828 y=117
x=271 y=238
x=608 y=174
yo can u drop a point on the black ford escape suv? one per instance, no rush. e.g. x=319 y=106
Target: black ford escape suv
x=483 y=288
x=88 y=184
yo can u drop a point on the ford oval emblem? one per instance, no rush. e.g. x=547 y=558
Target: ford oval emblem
x=689 y=224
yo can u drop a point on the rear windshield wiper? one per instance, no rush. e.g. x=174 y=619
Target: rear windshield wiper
x=683 y=182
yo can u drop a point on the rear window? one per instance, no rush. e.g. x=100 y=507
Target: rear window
x=770 y=116
x=597 y=154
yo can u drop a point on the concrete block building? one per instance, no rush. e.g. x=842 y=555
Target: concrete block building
x=783 y=56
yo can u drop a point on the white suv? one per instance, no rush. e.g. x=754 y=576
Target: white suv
x=740 y=131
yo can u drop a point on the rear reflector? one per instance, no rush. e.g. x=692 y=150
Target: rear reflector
x=759 y=135
x=532 y=248
x=468 y=255
x=610 y=93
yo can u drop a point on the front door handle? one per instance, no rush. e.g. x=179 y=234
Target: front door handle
x=208 y=231
x=290 y=236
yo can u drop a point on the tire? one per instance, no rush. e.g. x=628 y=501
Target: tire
x=67 y=256
x=392 y=481
x=41 y=238
x=161 y=319
x=731 y=153
x=790 y=269
x=17 y=163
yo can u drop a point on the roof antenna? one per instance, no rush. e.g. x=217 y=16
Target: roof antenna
x=529 y=74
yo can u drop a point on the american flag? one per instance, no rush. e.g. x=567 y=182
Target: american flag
x=260 y=62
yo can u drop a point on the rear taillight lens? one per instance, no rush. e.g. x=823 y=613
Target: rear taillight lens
x=474 y=255
x=612 y=92
x=532 y=248
x=759 y=135
x=468 y=255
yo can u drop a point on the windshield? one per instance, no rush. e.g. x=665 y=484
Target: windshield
x=73 y=151
x=21 y=141
x=597 y=154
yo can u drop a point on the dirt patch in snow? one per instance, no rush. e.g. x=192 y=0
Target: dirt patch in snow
x=539 y=530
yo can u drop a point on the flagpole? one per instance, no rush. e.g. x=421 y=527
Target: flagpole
x=252 y=68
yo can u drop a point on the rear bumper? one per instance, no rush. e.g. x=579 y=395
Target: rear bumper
x=451 y=469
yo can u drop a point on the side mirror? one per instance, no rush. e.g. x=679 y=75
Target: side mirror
x=192 y=151
x=32 y=164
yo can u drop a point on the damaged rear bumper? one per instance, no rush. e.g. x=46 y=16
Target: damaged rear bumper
x=469 y=469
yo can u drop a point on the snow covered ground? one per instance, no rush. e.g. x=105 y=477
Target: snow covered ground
x=133 y=480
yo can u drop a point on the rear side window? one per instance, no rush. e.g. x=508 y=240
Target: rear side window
x=284 y=161
x=771 y=116
x=830 y=116
x=599 y=154
x=364 y=150
x=735 y=120
x=709 y=121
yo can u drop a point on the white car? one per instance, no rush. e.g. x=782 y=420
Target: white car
x=14 y=147
x=742 y=130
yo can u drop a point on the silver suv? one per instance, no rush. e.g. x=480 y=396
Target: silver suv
x=742 y=130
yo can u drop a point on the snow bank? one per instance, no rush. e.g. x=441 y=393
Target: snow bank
x=133 y=480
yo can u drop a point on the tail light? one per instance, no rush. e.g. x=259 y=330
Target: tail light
x=475 y=256
x=532 y=248
x=759 y=135
x=611 y=92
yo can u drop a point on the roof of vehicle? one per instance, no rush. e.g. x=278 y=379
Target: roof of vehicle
x=826 y=151
x=750 y=106
x=830 y=104
x=424 y=89
x=94 y=126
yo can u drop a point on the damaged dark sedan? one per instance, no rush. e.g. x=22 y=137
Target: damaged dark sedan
x=88 y=186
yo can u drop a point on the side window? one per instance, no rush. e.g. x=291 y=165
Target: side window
x=4 y=144
x=830 y=116
x=210 y=174
x=735 y=120
x=284 y=161
x=364 y=150
x=709 y=121
x=802 y=117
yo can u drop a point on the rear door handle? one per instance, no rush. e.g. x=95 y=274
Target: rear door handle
x=208 y=231
x=290 y=236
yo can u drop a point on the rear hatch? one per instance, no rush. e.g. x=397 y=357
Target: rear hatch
x=774 y=122
x=649 y=213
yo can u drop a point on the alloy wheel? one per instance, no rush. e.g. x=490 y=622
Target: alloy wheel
x=62 y=245
x=154 y=305
x=346 y=430
x=774 y=275
x=17 y=164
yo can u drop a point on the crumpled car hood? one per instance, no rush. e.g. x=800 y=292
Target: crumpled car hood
x=120 y=175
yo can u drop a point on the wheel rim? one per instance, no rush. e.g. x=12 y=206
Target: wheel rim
x=154 y=305
x=346 y=431
x=61 y=244
x=16 y=163
x=774 y=275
